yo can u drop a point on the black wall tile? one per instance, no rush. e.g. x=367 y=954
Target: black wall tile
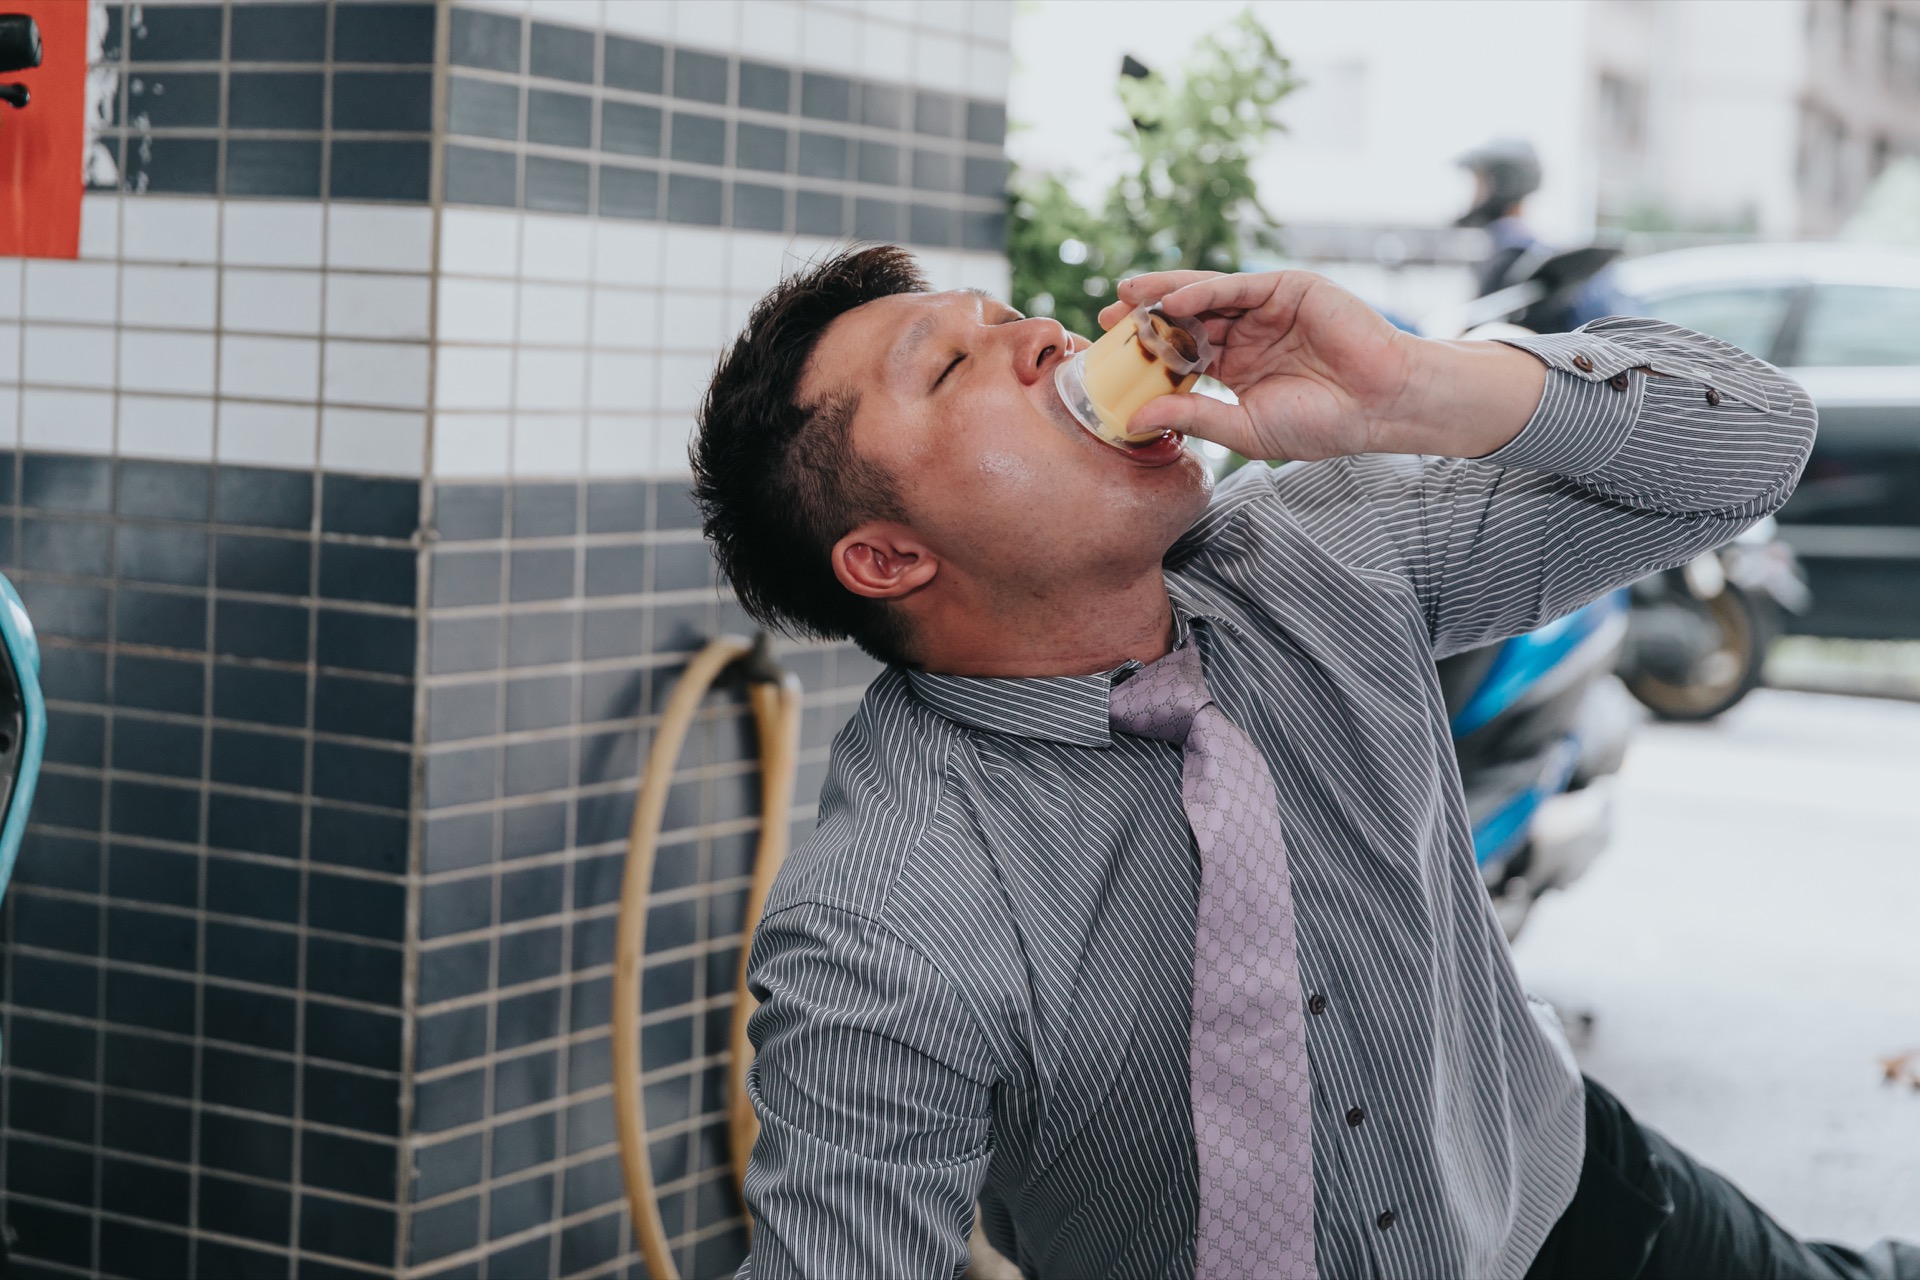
x=263 y=496
x=357 y=838
x=883 y=106
x=540 y=638
x=261 y=891
x=76 y=548
x=541 y=574
x=487 y=40
x=701 y=77
x=468 y=511
x=533 y=830
x=279 y=33
x=157 y=746
x=693 y=200
x=62 y=609
x=447 y=973
x=629 y=193
x=159 y=553
x=986 y=123
x=244 y=1209
x=826 y=97
x=275 y=566
x=758 y=208
x=936 y=114
x=630 y=129
x=272 y=762
x=253 y=1019
x=176 y=33
x=61 y=483
x=360 y=1037
x=545 y=510
x=558 y=186
x=154 y=810
x=383 y=101
x=459 y=1035
x=273 y=167
x=457 y=843
x=356 y=905
x=616 y=506
x=259 y=695
x=364 y=708
x=400 y=33
x=172 y=99
x=700 y=139
x=163 y=620
x=154 y=875
x=251 y=824
x=561 y=53
x=483 y=108
x=245 y=954
x=757 y=146
x=444 y=1229
x=366 y=641
x=362 y=775
x=355 y=1166
x=463 y=644
x=379 y=171
x=635 y=65
x=77 y=675
x=559 y=119
x=375 y=575
x=239 y=1145
x=254 y=629
x=176 y=166
x=765 y=88
x=482 y=177
x=159 y=1004
x=355 y=971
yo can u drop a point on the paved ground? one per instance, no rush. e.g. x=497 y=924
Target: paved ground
x=1750 y=948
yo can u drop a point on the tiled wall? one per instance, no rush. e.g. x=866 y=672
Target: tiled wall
x=347 y=488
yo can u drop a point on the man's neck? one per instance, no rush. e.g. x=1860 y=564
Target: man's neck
x=1073 y=633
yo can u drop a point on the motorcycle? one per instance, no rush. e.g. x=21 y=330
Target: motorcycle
x=1698 y=634
x=1540 y=725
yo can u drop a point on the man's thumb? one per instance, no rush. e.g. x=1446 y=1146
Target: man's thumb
x=1199 y=416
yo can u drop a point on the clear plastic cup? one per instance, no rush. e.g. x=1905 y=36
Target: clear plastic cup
x=1147 y=355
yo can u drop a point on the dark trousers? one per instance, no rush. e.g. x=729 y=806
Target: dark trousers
x=1645 y=1210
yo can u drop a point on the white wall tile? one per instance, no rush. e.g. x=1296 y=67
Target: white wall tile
x=67 y=421
x=944 y=15
x=990 y=74
x=886 y=51
x=390 y=374
x=902 y=11
x=769 y=29
x=472 y=378
x=370 y=237
x=830 y=41
x=548 y=444
x=168 y=297
x=99 y=225
x=626 y=253
x=555 y=248
x=13 y=279
x=9 y=416
x=694 y=320
x=709 y=24
x=267 y=233
x=733 y=318
x=270 y=368
x=640 y=17
x=619 y=445
x=683 y=380
x=158 y=361
x=940 y=61
x=270 y=301
x=476 y=310
x=167 y=427
x=756 y=262
x=69 y=355
x=621 y=383
x=992 y=20
x=84 y=291
x=472 y=444
x=696 y=258
x=503 y=6
x=670 y=436
x=268 y=435
x=479 y=242
x=372 y=441
x=626 y=318
x=987 y=271
x=168 y=229
x=549 y=379
x=553 y=314
x=10 y=340
x=580 y=13
x=366 y=306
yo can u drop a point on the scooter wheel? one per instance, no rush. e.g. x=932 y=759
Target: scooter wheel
x=1725 y=676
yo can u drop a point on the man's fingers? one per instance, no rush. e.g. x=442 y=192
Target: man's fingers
x=1200 y=416
x=1157 y=284
x=1218 y=293
x=1112 y=314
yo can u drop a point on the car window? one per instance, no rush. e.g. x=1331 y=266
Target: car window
x=1861 y=324
x=1747 y=316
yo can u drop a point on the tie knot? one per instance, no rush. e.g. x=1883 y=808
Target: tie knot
x=1162 y=700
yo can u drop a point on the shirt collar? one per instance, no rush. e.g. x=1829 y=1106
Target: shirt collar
x=1069 y=709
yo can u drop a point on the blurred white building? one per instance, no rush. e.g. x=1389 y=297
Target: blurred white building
x=1766 y=116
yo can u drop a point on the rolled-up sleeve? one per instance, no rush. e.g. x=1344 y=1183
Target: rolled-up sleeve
x=1650 y=444
x=873 y=1092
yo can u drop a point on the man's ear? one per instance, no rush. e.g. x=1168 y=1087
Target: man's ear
x=882 y=560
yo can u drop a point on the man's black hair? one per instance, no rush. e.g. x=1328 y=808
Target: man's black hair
x=778 y=481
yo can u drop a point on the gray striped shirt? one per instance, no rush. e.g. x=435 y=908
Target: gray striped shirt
x=977 y=971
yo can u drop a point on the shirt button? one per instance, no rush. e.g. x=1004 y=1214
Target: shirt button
x=1385 y=1220
x=1618 y=382
x=1354 y=1116
x=1583 y=364
x=1316 y=1004
x=1713 y=397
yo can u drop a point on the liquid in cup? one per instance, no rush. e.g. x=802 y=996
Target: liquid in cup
x=1147 y=355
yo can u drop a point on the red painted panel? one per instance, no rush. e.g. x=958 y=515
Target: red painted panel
x=42 y=146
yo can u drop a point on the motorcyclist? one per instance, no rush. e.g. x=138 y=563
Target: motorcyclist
x=1506 y=171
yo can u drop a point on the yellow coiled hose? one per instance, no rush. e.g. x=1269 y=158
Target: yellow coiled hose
x=775 y=694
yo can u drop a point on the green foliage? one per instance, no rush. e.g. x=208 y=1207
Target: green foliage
x=1187 y=197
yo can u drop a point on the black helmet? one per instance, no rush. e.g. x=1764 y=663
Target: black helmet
x=1512 y=171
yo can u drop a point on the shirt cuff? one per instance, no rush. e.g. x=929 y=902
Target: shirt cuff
x=1592 y=400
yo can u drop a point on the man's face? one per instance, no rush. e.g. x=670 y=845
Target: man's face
x=957 y=404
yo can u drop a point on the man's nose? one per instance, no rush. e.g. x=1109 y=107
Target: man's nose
x=1038 y=345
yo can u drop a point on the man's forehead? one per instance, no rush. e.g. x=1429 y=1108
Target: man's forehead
x=859 y=343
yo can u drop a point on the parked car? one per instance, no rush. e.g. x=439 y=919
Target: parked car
x=1844 y=320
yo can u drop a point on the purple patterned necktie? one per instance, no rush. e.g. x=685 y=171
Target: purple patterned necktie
x=1252 y=1122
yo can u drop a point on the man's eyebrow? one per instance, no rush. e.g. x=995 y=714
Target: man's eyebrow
x=915 y=337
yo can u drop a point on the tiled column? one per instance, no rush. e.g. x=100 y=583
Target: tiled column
x=347 y=488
